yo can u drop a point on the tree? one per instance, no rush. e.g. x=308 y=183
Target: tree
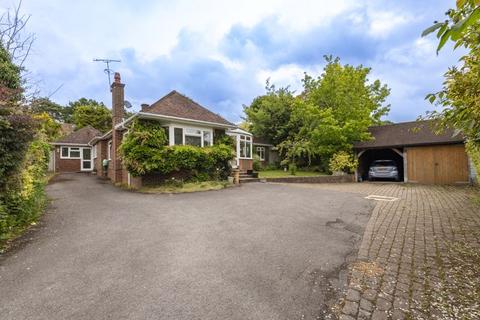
x=269 y=115
x=45 y=105
x=458 y=100
x=337 y=108
x=95 y=115
x=72 y=105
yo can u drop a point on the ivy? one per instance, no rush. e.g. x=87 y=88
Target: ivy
x=144 y=150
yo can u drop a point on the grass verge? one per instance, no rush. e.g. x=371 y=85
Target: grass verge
x=283 y=174
x=186 y=187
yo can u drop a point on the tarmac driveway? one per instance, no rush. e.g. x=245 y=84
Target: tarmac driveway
x=259 y=251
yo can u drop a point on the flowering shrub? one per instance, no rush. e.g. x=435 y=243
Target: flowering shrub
x=343 y=162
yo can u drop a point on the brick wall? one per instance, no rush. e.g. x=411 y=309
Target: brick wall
x=317 y=179
x=65 y=165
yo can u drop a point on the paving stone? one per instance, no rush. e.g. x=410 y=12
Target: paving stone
x=353 y=295
x=350 y=308
x=407 y=238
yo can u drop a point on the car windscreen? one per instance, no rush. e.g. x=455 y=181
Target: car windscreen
x=385 y=163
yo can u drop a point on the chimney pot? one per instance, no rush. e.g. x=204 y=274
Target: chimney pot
x=116 y=77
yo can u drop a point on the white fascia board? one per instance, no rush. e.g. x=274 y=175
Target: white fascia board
x=70 y=144
x=146 y=115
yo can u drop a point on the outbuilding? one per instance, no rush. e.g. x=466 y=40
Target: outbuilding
x=73 y=153
x=421 y=155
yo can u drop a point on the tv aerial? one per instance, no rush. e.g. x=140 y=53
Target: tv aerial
x=107 y=70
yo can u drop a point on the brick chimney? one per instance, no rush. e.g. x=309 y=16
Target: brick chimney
x=117 y=135
x=118 y=99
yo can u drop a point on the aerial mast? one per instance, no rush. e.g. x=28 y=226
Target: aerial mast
x=107 y=70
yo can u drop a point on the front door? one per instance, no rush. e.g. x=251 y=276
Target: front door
x=86 y=159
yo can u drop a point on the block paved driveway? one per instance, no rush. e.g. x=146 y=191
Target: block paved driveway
x=413 y=254
x=259 y=251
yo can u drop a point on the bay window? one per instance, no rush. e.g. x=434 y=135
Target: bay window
x=192 y=137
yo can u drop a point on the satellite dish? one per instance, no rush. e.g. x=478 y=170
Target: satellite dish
x=127 y=104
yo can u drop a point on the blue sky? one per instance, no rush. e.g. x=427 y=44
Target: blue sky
x=220 y=53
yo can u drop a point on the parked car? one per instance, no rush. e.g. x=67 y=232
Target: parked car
x=383 y=169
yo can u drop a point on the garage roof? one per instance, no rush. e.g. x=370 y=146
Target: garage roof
x=404 y=134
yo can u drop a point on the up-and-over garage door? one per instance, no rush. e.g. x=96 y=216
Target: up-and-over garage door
x=445 y=164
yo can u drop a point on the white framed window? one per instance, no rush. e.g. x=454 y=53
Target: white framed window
x=245 y=147
x=69 y=153
x=261 y=153
x=192 y=137
x=94 y=151
x=109 y=150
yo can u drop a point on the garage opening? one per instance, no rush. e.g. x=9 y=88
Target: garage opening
x=367 y=157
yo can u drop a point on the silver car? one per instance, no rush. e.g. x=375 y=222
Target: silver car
x=383 y=169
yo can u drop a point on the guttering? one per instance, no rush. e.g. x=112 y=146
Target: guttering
x=69 y=144
x=146 y=115
x=95 y=139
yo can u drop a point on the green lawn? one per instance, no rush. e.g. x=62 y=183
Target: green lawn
x=186 y=187
x=282 y=174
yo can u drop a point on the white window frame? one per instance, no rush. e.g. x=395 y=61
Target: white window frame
x=259 y=154
x=172 y=128
x=69 y=151
x=109 y=150
x=94 y=151
x=247 y=139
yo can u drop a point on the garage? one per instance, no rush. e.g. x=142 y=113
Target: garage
x=420 y=155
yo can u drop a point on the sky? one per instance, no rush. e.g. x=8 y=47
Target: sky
x=220 y=53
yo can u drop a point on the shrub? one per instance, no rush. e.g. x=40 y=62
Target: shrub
x=257 y=164
x=343 y=162
x=144 y=151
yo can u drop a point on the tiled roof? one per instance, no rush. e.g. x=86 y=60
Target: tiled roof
x=177 y=105
x=81 y=136
x=408 y=134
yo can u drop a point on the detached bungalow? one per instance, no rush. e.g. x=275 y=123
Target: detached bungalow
x=186 y=123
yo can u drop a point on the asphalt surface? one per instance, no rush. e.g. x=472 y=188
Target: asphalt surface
x=259 y=251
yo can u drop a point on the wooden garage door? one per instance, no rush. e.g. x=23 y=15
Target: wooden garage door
x=437 y=164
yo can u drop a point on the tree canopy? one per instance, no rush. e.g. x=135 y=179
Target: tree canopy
x=333 y=111
x=95 y=115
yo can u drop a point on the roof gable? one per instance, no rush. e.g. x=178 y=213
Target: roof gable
x=81 y=136
x=177 y=105
x=408 y=134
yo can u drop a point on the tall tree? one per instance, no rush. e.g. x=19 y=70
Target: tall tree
x=72 y=105
x=335 y=110
x=45 y=105
x=95 y=115
x=269 y=115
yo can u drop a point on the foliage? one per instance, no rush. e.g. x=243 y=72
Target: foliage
x=460 y=26
x=337 y=108
x=224 y=139
x=48 y=126
x=69 y=110
x=9 y=72
x=144 y=151
x=257 y=164
x=473 y=149
x=141 y=145
x=23 y=153
x=97 y=116
x=333 y=111
x=458 y=100
x=343 y=162
x=269 y=116
x=54 y=110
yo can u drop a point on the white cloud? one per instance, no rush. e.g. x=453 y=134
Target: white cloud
x=382 y=23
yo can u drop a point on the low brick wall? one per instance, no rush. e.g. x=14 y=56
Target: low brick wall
x=317 y=179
